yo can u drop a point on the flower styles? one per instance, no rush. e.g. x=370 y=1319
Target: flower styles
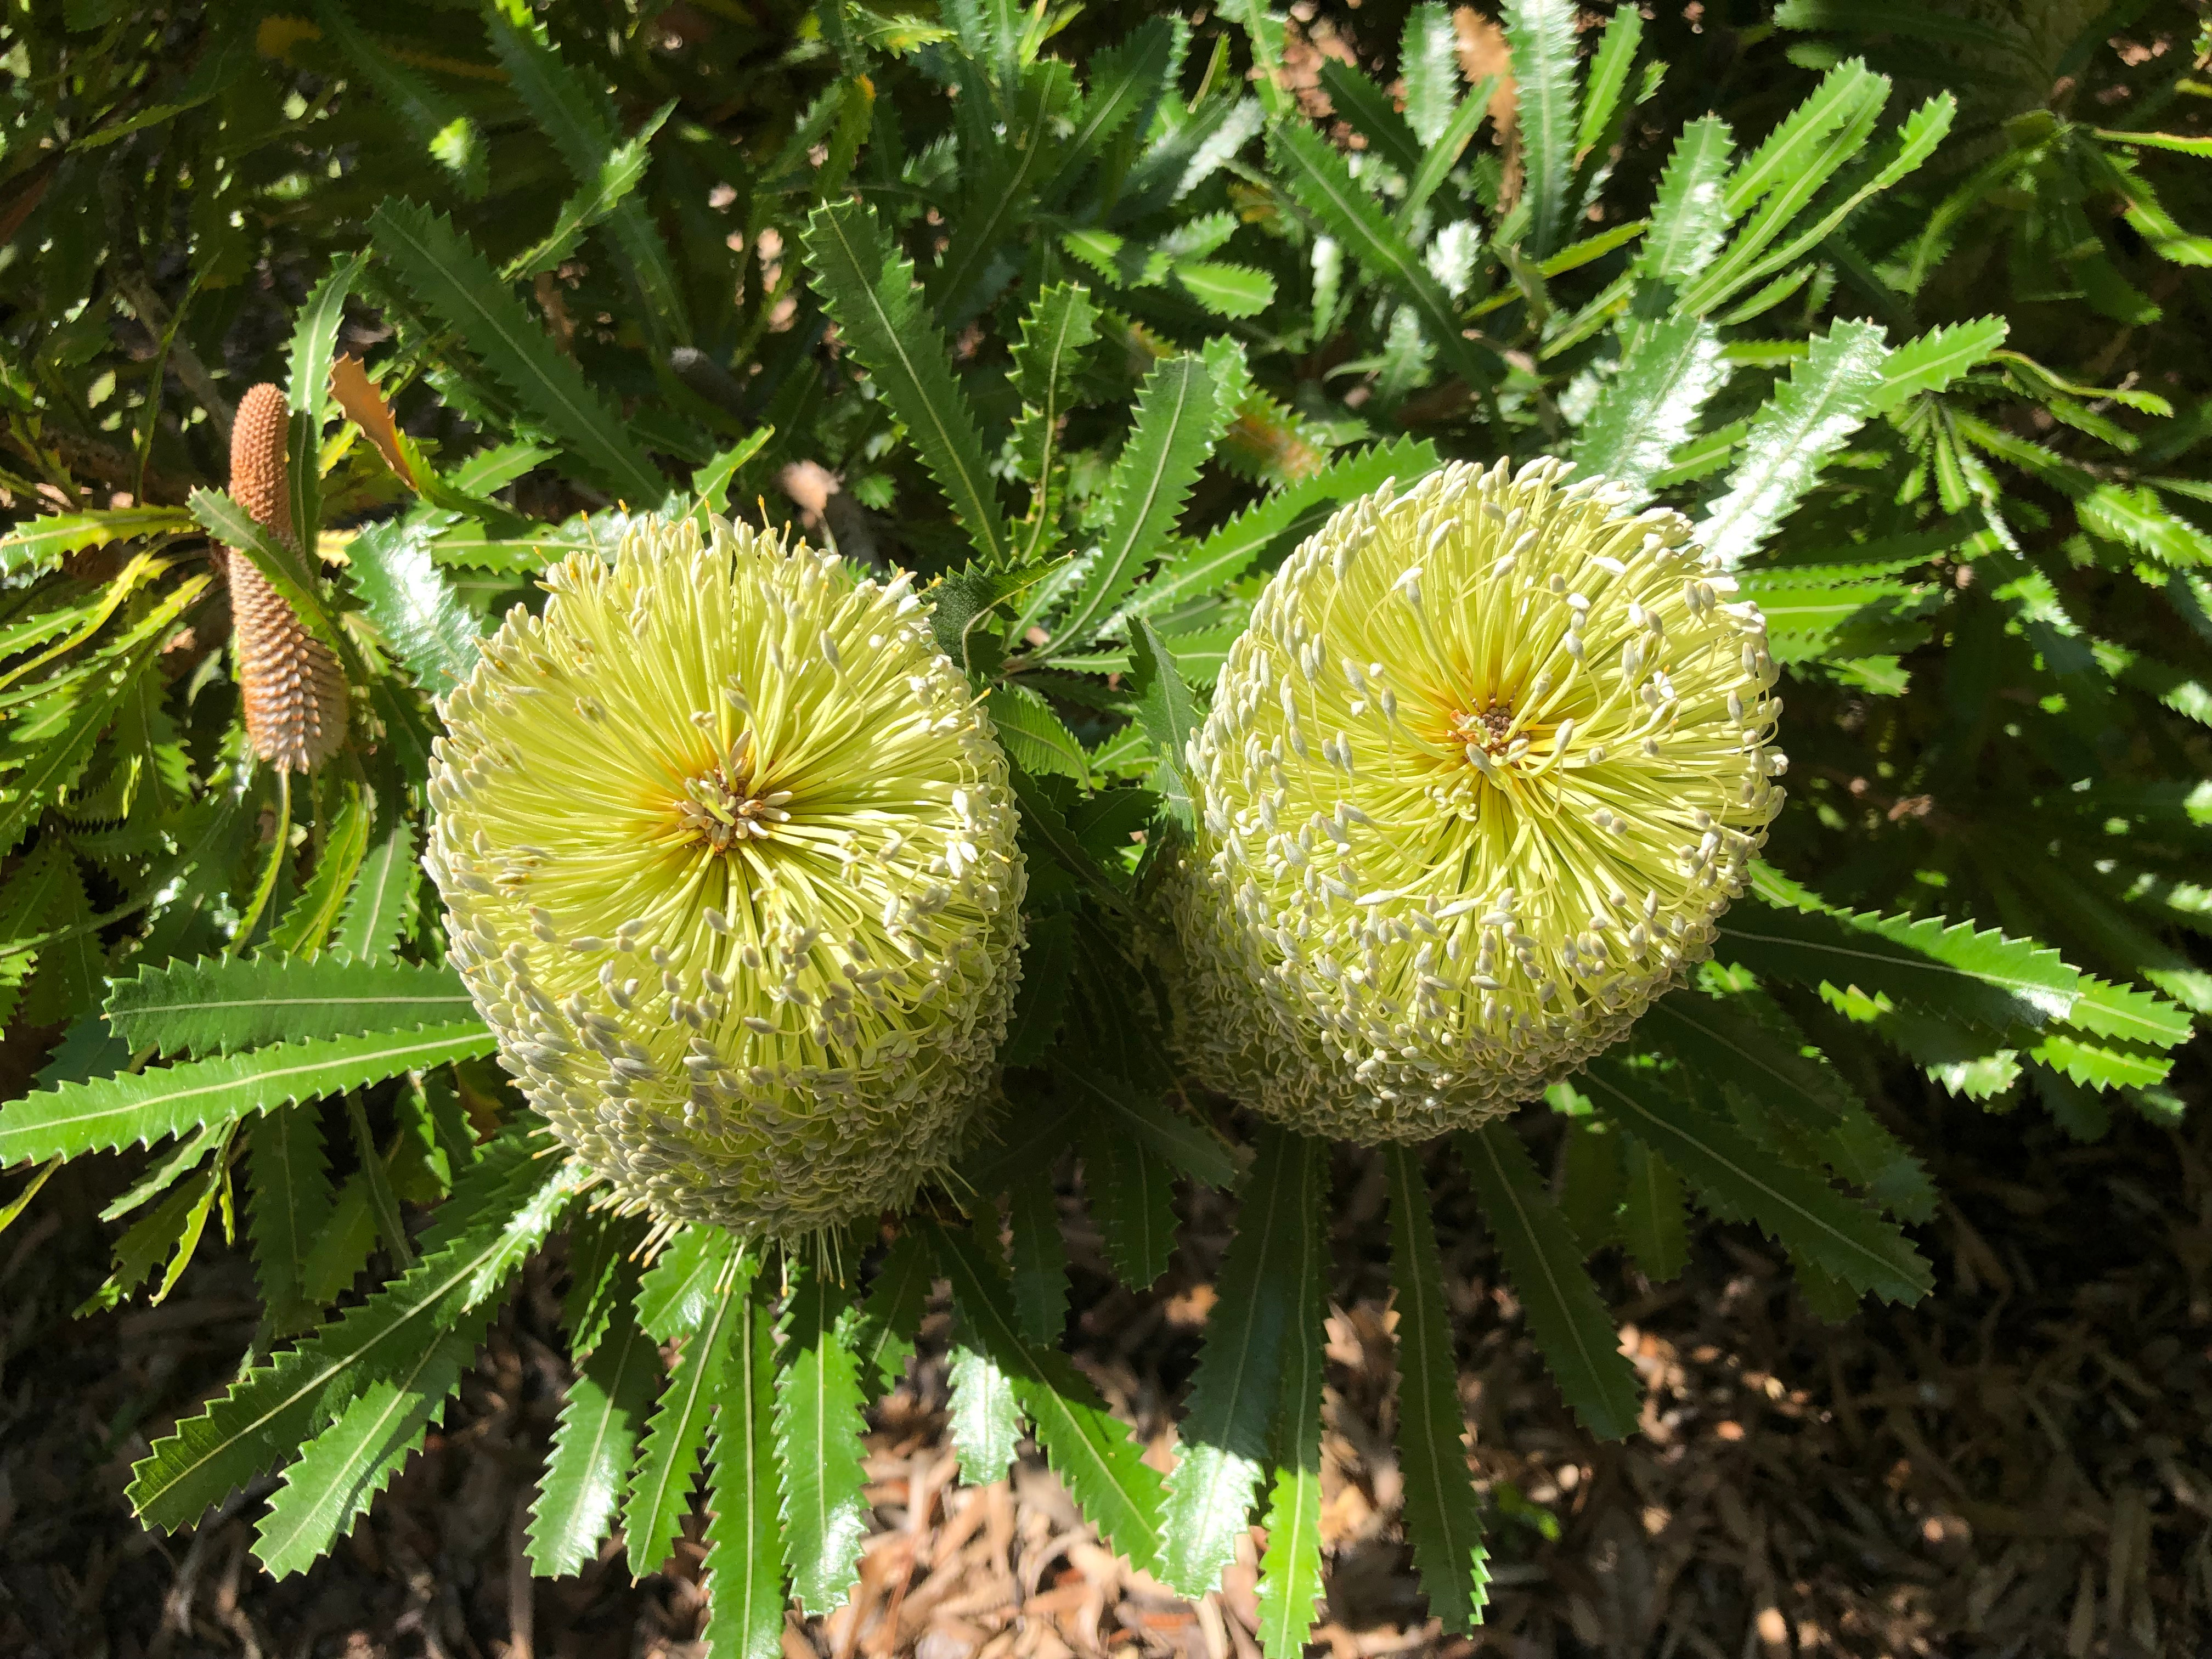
x=728 y=855
x=1489 y=761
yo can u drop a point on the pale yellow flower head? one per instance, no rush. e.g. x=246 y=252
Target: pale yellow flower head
x=729 y=862
x=1490 y=759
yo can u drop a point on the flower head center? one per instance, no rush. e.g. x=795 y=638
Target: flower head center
x=720 y=808
x=1490 y=727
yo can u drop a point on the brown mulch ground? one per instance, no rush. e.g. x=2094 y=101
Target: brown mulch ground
x=2020 y=1466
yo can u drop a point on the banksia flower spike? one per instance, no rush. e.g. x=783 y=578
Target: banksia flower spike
x=1490 y=759
x=295 y=690
x=728 y=851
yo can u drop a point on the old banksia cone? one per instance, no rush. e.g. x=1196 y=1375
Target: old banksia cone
x=295 y=691
x=1488 y=764
x=728 y=858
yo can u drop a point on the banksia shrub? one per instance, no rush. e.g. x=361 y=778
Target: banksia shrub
x=1489 y=761
x=295 y=691
x=728 y=857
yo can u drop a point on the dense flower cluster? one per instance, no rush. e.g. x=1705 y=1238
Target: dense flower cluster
x=728 y=856
x=294 y=689
x=1490 y=759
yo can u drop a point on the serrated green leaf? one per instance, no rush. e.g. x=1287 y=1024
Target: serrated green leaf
x=1827 y=397
x=1234 y=1391
x=1369 y=111
x=52 y=741
x=1807 y=621
x=172 y=1229
x=1443 y=1521
x=186 y=1158
x=1040 y=1002
x=1847 y=89
x=1749 y=258
x=868 y=287
x=1799 y=1209
x=1171 y=717
x=437 y=125
x=1039 y=1257
x=2122 y=1011
x=1185 y=406
x=1591 y=1183
x=1290 y=1568
x=291 y=1206
x=1653 y=1227
x=660 y=1492
x=1048 y=826
x=1935 y=359
x=2137 y=518
x=1608 y=79
x=982 y=1417
x=453 y=281
x=997 y=187
x=744 y=1542
x=1034 y=735
x=43 y=544
x=1126 y=80
x=1647 y=409
x=308 y=920
x=818 y=1432
x=340 y=1470
x=1953 y=971
x=382 y=1200
x=1570 y=1322
x=135 y=1110
x=2101 y=1062
x=1428 y=59
x=1323 y=185
x=376 y=907
x=1228 y=552
x=415 y=609
x=685 y=1282
x=578 y=118
x=600 y=195
x=1719 y=1041
x=1090 y=1452
x=1226 y=290
x=342 y=1248
x=889 y=1321
x=1059 y=324
x=1541 y=36
x=1133 y=1113
x=1862 y=1150
x=275 y=1408
x=314 y=341
x=602 y=1275
x=595 y=1443
x=221 y=1004
x=235 y=528
x=1445 y=150
x=1131 y=1191
x=1059 y=327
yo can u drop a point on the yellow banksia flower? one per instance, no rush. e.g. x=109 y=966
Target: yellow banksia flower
x=294 y=689
x=1488 y=764
x=728 y=855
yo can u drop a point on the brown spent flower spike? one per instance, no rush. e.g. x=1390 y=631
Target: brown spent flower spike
x=295 y=693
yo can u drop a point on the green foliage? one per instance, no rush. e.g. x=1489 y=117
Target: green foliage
x=1442 y=1519
x=221 y=1004
x=1904 y=311
x=818 y=1428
